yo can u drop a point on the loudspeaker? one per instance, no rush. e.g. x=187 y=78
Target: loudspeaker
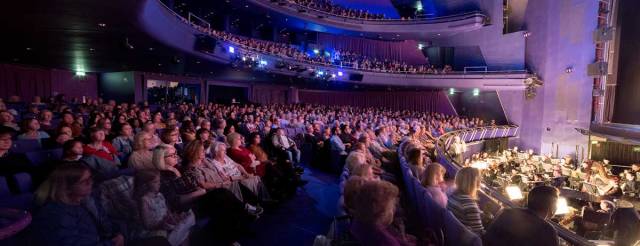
x=603 y=34
x=356 y=77
x=598 y=69
x=205 y=43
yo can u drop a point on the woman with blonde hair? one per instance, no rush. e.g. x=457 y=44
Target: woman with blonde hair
x=433 y=181
x=463 y=202
x=141 y=157
x=63 y=219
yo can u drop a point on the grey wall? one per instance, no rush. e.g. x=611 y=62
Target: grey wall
x=487 y=45
x=561 y=36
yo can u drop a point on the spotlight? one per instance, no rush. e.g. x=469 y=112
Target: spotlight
x=244 y=58
x=452 y=91
x=320 y=73
x=232 y=50
x=476 y=92
x=316 y=51
x=526 y=34
x=514 y=192
x=80 y=73
x=340 y=74
x=420 y=46
x=333 y=75
x=263 y=63
x=569 y=69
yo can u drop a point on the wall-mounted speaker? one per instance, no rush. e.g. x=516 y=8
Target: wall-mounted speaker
x=598 y=69
x=603 y=34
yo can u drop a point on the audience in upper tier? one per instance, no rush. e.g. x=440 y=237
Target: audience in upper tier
x=340 y=58
x=329 y=7
x=158 y=182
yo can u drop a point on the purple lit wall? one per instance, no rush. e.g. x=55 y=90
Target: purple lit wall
x=561 y=36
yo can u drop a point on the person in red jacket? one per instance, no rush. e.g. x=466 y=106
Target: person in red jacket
x=100 y=148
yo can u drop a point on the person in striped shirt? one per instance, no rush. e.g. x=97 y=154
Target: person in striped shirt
x=463 y=201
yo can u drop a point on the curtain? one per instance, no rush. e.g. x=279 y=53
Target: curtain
x=268 y=94
x=426 y=101
x=609 y=102
x=24 y=82
x=406 y=50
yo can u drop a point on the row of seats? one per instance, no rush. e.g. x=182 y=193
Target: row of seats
x=427 y=214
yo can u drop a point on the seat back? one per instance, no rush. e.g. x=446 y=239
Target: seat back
x=4 y=188
x=26 y=145
x=38 y=158
x=23 y=182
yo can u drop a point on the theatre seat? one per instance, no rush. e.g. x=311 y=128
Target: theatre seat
x=38 y=158
x=26 y=145
x=456 y=234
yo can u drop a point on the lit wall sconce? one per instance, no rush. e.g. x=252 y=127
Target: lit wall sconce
x=569 y=69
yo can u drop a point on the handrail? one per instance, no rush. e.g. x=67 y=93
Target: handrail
x=429 y=20
x=445 y=158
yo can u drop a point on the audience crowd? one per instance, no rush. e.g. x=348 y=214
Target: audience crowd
x=340 y=58
x=329 y=7
x=150 y=174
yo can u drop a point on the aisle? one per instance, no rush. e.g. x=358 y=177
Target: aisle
x=298 y=220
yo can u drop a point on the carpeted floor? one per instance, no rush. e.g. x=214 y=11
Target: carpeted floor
x=297 y=221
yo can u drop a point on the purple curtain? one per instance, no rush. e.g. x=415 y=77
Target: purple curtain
x=395 y=50
x=426 y=101
x=268 y=94
x=24 y=82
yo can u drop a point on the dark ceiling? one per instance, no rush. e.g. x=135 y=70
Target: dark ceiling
x=103 y=36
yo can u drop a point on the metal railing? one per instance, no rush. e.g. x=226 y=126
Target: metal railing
x=482 y=133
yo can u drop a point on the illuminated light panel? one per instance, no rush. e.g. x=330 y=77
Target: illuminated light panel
x=232 y=50
x=562 y=207
x=514 y=192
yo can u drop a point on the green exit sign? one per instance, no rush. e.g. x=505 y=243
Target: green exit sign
x=636 y=149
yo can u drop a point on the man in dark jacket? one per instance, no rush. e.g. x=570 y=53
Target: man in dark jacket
x=526 y=226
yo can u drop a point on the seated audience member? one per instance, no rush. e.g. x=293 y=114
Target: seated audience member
x=526 y=226
x=416 y=161
x=45 y=117
x=365 y=172
x=165 y=160
x=241 y=155
x=154 y=215
x=355 y=159
x=7 y=120
x=346 y=136
x=31 y=128
x=64 y=217
x=141 y=156
x=170 y=136
x=197 y=172
x=230 y=170
x=337 y=145
x=100 y=156
x=286 y=145
x=433 y=181
x=351 y=189
x=100 y=148
x=71 y=152
x=150 y=129
x=372 y=208
x=11 y=163
x=69 y=120
x=463 y=201
x=630 y=186
x=62 y=135
x=123 y=143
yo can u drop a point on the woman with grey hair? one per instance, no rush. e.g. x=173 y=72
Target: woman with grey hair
x=232 y=171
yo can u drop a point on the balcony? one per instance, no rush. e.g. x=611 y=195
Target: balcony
x=406 y=27
x=173 y=30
